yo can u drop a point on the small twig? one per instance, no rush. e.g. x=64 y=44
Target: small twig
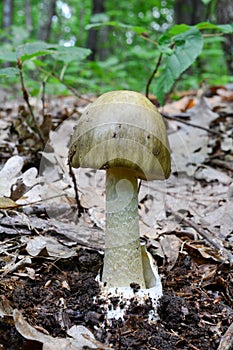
x=226 y=342
x=43 y=98
x=139 y=185
x=222 y=164
x=153 y=74
x=146 y=37
x=206 y=235
x=26 y=99
x=185 y=340
x=212 y=35
x=74 y=92
x=177 y=119
x=100 y=346
x=79 y=205
x=32 y=203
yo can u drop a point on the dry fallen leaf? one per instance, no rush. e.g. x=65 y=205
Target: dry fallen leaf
x=209 y=174
x=77 y=342
x=5 y=307
x=9 y=173
x=6 y=203
x=171 y=248
x=14 y=266
x=36 y=246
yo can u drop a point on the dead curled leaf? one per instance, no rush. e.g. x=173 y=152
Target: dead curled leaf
x=9 y=174
x=49 y=246
x=171 y=248
x=5 y=307
x=14 y=266
x=80 y=336
x=6 y=203
x=203 y=251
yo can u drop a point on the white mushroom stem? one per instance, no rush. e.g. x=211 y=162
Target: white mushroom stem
x=123 y=257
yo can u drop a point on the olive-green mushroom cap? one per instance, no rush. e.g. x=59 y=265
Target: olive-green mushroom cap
x=122 y=129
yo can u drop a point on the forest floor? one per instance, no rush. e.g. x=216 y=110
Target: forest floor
x=50 y=257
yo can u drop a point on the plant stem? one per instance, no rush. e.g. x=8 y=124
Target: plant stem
x=153 y=74
x=79 y=205
x=123 y=257
x=26 y=99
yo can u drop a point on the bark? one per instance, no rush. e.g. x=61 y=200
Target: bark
x=93 y=34
x=7 y=21
x=28 y=15
x=225 y=16
x=194 y=11
x=189 y=11
x=47 y=13
x=7 y=17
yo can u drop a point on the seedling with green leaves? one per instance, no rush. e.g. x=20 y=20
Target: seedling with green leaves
x=176 y=50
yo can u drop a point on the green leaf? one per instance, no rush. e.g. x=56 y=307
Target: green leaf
x=8 y=56
x=187 y=47
x=99 y=17
x=178 y=29
x=72 y=53
x=9 y=72
x=31 y=50
x=206 y=2
x=166 y=40
x=136 y=29
x=224 y=28
x=61 y=53
x=18 y=35
x=164 y=44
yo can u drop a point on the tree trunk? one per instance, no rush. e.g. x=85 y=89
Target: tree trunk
x=93 y=34
x=7 y=17
x=47 y=13
x=7 y=21
x=225 y=16
x=28 y=14
x=189 y=11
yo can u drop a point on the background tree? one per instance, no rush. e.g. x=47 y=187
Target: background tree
x=47 y=12
x=7 y=21
x=28 y=15
x=93 y=41
x=189 y=11
x=7 y=16
x=225 y=15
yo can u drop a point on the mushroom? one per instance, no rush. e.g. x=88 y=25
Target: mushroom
x=123 y=133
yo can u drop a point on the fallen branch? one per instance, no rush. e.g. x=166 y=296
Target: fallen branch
x=84 y=236
x=184 y=340
x=209 y=237
x=226 y=342
x=177 y=119
x=70 y=88
x=222 y=164
x=43 y=99
x=79 y=205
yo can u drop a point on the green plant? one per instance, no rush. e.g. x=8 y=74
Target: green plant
x=178 y=48
x=66 y=68
x=32 y=61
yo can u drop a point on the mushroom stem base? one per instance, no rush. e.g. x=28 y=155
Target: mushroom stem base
x=123 y=257
x=120 y=301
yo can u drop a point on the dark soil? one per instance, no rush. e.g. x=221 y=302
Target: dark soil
x=194 y=311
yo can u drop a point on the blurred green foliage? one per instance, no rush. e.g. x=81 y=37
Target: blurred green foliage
x=137 y=33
